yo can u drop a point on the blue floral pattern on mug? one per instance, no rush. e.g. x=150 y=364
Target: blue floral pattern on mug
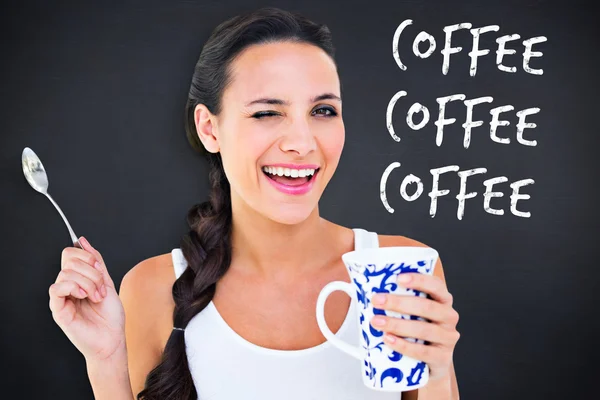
x=384 y=368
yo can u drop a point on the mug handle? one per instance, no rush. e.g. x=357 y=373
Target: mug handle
x=331 y=287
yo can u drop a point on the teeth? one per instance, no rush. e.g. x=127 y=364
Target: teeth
x=294 y=173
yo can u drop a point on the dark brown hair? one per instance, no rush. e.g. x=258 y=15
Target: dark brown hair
x=207 y=245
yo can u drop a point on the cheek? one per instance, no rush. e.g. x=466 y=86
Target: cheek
x=241 y=151
x=332 y=144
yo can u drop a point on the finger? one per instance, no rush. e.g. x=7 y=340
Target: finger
x=429 y=284
x=430 y=354
x=88 y=271
x=71 y=253
x=60 y=290
x=407 y=328
x=98 y=257
x=71 y=256
x=83 y=282
x=418 y=306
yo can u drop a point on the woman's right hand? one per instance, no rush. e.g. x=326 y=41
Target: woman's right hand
x=86 y=305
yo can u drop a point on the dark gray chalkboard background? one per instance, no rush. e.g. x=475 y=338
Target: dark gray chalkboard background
x=97 y=91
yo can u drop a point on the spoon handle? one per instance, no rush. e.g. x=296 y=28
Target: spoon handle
x=74 y=238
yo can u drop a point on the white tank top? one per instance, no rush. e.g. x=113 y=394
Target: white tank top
x=225 y=366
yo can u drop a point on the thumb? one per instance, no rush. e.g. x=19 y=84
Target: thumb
x=88 y=247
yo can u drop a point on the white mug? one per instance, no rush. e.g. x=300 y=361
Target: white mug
x=375 y=270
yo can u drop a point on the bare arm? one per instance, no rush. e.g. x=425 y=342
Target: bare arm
x=147 y=300
x=86 y=306
x=110 y=378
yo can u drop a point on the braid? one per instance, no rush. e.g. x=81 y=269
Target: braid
x=207 y=249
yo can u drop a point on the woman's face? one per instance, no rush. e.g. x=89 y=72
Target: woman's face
x=281 y=110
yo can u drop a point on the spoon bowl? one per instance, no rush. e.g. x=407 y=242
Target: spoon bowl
x=36 y=176
x=34 y=170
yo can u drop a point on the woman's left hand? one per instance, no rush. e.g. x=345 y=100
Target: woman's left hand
x=440 y=332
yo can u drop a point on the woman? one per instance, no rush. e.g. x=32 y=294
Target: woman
x=237 y=302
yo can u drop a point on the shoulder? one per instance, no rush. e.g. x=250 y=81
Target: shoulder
x=394 y=240
x=149 y=277
x=146 y=294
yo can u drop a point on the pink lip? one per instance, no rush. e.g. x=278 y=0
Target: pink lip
x=293 y=190
x=294 y=166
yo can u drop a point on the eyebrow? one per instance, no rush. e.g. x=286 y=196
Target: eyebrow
x=268 y=100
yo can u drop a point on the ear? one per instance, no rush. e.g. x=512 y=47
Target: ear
x=205 y=127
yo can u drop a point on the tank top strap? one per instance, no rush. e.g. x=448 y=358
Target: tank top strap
x=364 y=239
x=179 y=262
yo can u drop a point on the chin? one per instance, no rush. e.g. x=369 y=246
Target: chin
x=289 y=214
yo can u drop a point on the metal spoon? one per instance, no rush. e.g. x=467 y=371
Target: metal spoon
x=36 y=176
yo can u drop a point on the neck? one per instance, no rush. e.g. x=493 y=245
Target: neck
x=274 y=250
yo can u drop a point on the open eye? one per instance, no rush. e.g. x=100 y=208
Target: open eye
x=327 y=111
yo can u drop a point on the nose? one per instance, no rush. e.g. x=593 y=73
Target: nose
x=298 y=138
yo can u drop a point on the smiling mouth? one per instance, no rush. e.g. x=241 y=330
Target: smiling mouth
x=290 y=177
